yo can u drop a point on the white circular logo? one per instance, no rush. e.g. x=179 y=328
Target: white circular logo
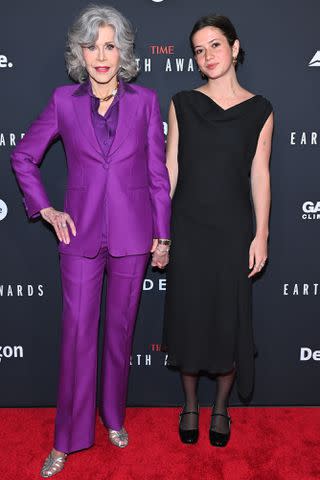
x=157 y=1
x=3 y=210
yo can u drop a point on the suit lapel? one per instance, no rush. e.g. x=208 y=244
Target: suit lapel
x=128 y=104
x=82 y=108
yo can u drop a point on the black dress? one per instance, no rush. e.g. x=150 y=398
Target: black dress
x=208 y=325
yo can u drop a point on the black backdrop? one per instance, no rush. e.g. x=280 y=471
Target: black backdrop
x=282 y=45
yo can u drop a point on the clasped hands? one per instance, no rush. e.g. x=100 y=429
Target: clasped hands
x=160 y=253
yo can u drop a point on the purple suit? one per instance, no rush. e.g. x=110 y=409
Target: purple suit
x=133 y=183
x=130 y=189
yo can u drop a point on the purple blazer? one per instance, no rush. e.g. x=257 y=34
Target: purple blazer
x=133 y=184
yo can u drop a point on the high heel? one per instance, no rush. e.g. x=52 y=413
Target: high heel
x=119 y=438
x=53 y=464
x=190 y=435
x=218 y=439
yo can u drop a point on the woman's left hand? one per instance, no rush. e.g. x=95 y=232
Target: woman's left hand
x=160 y=254
x=258 y=255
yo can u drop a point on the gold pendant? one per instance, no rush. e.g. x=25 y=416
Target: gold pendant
x=112 y=94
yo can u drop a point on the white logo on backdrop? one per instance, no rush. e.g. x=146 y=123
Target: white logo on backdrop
x=170 y=65
x=141 y=360
x=10 y=139
x=148 y=360
x=149 y=284
x=3 y=210
x=18 y=290
x=11 y=352
x=304 y=138
x=307 y=354
x=4 y=63
x=155 y=358
x=304 y=289
x=157 y=1
x=311 y=211
x=315 y=60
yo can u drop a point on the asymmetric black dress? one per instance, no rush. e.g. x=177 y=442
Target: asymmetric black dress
x=208 y=325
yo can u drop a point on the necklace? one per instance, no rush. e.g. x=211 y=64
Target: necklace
x=112 y=94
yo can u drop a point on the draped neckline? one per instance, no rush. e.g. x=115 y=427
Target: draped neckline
x=237 y=105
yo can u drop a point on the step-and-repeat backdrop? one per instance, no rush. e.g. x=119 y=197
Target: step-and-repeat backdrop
x=282 y=44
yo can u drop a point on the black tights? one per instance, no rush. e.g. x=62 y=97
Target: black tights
x=190 y=386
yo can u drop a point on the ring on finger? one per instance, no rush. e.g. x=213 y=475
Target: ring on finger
x=63 y=225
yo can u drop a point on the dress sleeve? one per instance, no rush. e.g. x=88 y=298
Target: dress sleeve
x=177 y=105
x=267 y=109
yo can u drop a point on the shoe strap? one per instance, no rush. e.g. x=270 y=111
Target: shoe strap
x=221 y=415
x=188 y=413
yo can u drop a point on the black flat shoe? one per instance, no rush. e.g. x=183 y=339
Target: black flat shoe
x=218 y=439
x=188 y=436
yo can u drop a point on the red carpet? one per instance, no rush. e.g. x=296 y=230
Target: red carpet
x=266 y=444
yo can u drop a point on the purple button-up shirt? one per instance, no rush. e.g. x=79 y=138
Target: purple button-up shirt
x=104 y=127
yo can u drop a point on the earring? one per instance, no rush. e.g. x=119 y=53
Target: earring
x=234 y=60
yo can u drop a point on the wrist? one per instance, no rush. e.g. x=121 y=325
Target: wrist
x=162 y=250
x=263 y=234
x=44 y=210
x=164 y=241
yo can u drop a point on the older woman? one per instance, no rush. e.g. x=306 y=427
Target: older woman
x=116 y=211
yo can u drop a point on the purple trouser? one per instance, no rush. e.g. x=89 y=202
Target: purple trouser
x=81 y=285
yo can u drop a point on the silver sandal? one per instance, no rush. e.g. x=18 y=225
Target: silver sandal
x=53 y=464
x=119 y=438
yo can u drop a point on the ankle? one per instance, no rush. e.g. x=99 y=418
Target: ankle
x=220 y=408
x=57 y=453
x=191 y=405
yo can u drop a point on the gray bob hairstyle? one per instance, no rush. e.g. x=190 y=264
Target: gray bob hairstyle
x=84 y=32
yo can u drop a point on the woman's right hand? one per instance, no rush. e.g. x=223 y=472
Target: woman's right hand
x=60 y=222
